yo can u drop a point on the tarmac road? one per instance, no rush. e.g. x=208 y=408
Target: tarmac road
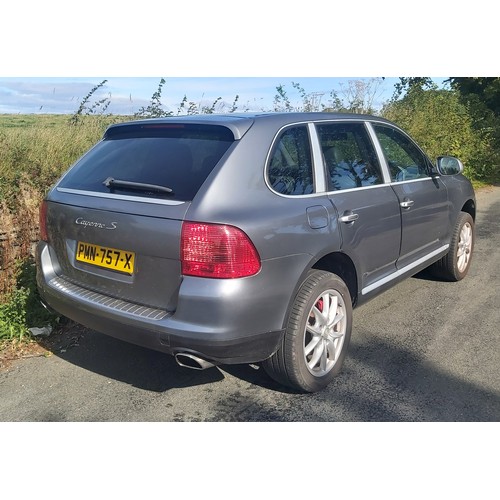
x=423 y=351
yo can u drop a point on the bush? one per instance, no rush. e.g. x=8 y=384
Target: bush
x=13 y=316
x=442 y=125
x=22 y=308
x=33 y=156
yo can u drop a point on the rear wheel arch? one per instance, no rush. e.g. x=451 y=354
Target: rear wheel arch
x=315 y=341
x=336 y=263
x=340 y=264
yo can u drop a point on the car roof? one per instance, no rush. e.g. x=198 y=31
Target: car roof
x=239 y=123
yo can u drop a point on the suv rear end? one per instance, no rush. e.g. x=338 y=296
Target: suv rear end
x=120 y=254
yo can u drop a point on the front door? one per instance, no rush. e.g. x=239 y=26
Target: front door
x=423 y=199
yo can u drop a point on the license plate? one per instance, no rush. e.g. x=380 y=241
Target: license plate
x=110 y=258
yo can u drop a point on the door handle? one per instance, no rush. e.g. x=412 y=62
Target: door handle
x=407 y=203
x=349 y=218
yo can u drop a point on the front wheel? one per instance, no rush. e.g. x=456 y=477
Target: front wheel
x=317 y=336
x=456 y=263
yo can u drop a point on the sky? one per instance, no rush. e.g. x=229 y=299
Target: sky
x=40 y=95
x=205 y=50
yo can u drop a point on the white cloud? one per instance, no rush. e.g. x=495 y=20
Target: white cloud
x=45 y=95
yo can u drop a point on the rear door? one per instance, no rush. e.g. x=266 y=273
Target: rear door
x=367 y=208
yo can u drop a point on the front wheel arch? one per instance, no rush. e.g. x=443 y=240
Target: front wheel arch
x=455 y=265
x=470 y=208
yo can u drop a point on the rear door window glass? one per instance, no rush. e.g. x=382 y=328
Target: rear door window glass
x=290 y=168
x=176 y=156
x=349 y=156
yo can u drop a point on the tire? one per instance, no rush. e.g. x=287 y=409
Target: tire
x=315 y=342
x=456 y=263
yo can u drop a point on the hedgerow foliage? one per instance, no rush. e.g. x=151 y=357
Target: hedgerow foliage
x=443 y=124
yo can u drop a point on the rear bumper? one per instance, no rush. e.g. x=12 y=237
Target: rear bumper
x=222 y=321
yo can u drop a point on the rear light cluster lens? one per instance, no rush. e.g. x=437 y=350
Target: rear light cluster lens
x=217 y=251
x=43 y=221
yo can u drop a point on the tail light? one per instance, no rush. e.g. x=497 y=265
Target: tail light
x=217 y=251
x=43 y=221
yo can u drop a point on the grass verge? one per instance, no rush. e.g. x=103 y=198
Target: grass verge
x=22 y=308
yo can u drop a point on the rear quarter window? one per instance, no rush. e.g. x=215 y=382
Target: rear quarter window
x=176 y=156
x=290 y=169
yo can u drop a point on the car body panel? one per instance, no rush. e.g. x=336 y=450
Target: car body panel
x=424 y=222
x=70 y=224
x=372 y=241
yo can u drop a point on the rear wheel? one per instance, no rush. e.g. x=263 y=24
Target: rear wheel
x=455 y=264
x=317 y=336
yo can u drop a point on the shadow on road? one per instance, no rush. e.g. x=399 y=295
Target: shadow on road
x=139 y=367
x=378 y=383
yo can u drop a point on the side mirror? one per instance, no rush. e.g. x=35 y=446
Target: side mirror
x=449 y=165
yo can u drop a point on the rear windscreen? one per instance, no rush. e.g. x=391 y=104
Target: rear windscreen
x=174 y=156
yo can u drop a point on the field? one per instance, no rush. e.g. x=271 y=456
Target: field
x=34 y=151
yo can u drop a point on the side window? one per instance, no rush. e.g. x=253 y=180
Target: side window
x=290 y=169
x=349 y=156
x=405 y=160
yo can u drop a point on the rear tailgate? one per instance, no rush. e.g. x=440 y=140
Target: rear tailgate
x=123 y=255
x=114 y=219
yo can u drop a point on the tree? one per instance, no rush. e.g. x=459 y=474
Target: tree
x=481 y=95
x=442 y=124
x=358 y=96
x=155 y=108
x=99 y=106
x=411 y=84
x=479 y=90
x=281 y=101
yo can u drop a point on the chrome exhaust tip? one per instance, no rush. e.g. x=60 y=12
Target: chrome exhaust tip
x=187 y=360
x=48 y=308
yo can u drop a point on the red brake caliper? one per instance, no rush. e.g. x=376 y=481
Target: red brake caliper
x=319 y=304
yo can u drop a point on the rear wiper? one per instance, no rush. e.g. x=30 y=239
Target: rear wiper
x=112 y=183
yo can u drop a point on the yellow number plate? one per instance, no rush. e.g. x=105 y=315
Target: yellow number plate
x=110 y=258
